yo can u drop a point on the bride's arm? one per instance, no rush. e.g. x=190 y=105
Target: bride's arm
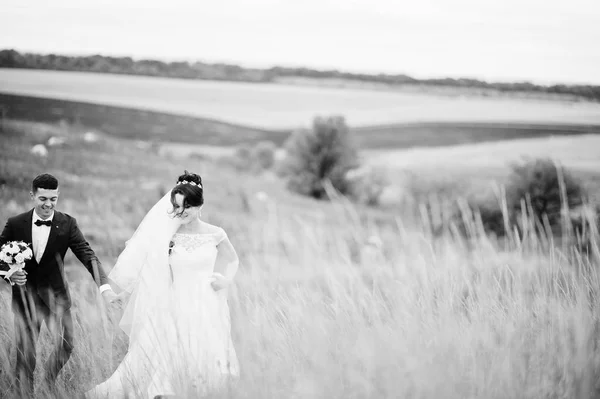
x=227 y=258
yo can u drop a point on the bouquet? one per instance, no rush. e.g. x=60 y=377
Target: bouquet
x=14 y=254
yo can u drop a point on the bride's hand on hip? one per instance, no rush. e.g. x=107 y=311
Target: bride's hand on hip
x=218 y=281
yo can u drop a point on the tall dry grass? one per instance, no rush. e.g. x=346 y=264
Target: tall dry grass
x=329 y=303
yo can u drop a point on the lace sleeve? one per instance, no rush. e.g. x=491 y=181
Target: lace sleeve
x=221 y=235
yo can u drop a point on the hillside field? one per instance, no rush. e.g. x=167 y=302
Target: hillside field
x=332 y=299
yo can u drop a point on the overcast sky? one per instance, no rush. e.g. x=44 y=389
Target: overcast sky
x=544 y=41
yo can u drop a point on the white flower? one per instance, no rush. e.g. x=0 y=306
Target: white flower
x=13 y=248
x=19 y=258
x=28 y=253
x=5 y=257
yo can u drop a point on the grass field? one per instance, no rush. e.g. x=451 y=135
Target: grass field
x=317 y=312
x=284 y=107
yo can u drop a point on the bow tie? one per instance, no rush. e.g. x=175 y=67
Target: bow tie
x=43 y=223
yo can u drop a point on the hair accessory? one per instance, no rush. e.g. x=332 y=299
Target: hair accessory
x=190 y=183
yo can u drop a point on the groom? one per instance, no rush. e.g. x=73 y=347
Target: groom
x=41 y=292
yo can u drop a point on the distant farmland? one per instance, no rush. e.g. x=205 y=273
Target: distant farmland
x=132 y=123
x=284 y=107
x=229 y=114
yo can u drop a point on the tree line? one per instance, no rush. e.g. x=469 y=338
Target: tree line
x=220 y=71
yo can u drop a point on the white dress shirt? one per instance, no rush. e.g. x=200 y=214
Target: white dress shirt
x=39 y=236
x=39 y=240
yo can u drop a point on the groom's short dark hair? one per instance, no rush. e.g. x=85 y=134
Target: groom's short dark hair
x=45 y=181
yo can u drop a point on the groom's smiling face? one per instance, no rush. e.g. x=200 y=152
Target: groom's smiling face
x=44 y=201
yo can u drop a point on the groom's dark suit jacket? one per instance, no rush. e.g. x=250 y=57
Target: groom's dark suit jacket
x=47 y=278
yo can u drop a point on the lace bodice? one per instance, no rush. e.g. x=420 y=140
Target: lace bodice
x=190 y=242
x=193 y=255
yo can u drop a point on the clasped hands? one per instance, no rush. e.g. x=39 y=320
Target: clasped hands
x=109 y=296
x=112 y=298
x=218 y=282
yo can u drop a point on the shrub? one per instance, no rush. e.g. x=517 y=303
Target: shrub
x=243 y=152
x=492 y=217
x=539 y=189
x=322 y=154
x=263 y=154
x=546 y=188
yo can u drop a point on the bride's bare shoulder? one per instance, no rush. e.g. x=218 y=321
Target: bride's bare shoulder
x=216 y=231
x=210 y=228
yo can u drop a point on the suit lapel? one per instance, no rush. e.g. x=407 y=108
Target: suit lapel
x=56 y=222
x=27 y=225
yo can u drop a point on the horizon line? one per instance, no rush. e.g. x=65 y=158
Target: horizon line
x=244 y=65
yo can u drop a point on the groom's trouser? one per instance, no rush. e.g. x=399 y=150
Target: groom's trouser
x=28 y=322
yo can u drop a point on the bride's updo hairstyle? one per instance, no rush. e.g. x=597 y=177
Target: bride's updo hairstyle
x=189 y=185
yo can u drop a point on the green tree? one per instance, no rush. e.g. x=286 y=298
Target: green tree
x=319 y=155
x=546 y=187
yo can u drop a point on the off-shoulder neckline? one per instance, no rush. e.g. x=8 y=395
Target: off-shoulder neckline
x=198 y=234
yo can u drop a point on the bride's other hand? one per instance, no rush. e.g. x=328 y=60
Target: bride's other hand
x=219 y=281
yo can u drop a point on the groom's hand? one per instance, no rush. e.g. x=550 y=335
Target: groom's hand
x=19 y=278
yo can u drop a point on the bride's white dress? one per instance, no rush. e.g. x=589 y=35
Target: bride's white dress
x=187 y=343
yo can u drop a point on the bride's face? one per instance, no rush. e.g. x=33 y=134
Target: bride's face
x=189 y=213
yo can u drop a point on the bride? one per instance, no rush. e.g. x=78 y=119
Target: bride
x=177 y=317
